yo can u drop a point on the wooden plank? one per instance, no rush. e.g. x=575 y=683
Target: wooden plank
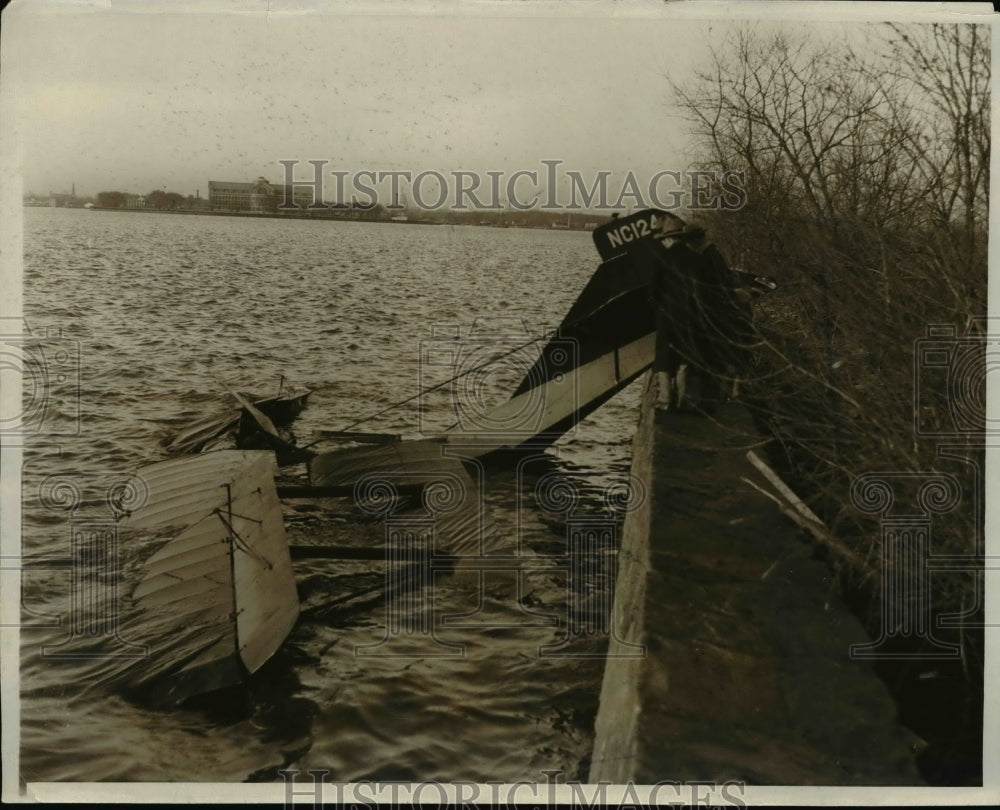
x=784 y=489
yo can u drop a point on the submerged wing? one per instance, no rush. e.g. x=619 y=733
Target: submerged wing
x=198 y=435
x=450 y=496
x=220 y=591
x=345 y=467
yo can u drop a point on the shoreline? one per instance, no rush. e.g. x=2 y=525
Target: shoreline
x=323 y=215
x=318 y=215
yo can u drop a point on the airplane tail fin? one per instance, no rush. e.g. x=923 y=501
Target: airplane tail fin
x=613 y=310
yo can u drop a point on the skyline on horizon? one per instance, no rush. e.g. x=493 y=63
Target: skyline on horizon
x=551 y=187
x=138 y=100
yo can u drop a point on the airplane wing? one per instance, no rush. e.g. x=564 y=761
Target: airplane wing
x=450 y=494
x=219 y=594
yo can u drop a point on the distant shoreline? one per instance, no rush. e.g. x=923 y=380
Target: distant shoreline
x=324 y=216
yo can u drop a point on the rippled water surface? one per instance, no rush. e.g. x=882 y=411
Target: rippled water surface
x=164 y=313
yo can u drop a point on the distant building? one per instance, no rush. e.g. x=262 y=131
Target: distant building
x=55 y=201
x=259 y=196
x=134 y=201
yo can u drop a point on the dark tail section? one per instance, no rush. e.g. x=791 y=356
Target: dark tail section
x=605 y=341
x=614 y=309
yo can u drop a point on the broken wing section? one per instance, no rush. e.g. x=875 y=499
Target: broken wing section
x=218 y=597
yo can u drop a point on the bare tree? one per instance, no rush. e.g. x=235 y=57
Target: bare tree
x=946 y=69
x=867 y=176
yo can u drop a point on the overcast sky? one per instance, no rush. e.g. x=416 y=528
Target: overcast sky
x=167 y=95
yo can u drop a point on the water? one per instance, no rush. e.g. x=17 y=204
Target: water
x=166 y=310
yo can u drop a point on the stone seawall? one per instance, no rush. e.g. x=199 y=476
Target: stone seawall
x=746 y=674
x=615 y=743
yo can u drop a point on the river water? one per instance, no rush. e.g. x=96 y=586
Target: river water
x=163 y=312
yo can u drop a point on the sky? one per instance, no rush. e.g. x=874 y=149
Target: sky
x=168 y=95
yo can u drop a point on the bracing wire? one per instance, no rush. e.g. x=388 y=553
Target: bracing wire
x=449 y=381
